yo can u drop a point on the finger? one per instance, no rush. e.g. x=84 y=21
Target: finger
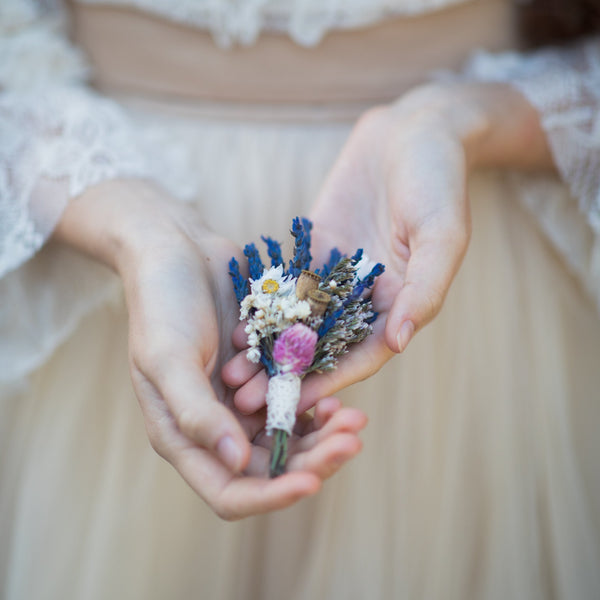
x=200 y=416
x=239 y=370
x=321 y=457
x=327 y=457
x=346 y=420
x=324 y=410
x=238 y=497
x=332 y=419
x=240 y=337
x=252 y=395
x=432 y=265
x=251 y=496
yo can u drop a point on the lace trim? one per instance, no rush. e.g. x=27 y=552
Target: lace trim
x=564 y=86
x=305 y=21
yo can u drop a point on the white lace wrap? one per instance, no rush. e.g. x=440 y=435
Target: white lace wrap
x=563 y=84
x=283 y=395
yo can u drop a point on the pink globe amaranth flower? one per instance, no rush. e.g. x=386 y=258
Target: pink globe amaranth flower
x=294 y=349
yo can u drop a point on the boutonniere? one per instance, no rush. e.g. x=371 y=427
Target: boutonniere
x=300 y=320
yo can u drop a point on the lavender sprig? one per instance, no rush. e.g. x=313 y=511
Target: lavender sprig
x=302 y=258
x=274 y=251
x=255 y=265
x=357 y=257
x=240 y=285
x=369 y=280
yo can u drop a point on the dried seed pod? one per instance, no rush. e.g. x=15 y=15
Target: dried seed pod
x=318 y=301
x=307 y=281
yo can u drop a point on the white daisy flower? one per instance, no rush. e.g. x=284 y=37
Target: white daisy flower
x=273 y=282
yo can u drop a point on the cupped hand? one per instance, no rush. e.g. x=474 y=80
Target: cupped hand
x=182 y=312
x=399 y=191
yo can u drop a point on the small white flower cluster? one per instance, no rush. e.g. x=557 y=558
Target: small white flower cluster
x=275 y=305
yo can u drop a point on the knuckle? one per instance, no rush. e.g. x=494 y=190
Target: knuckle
x=151 y=361
x=190 y=423
x=432 y=303
x=157 y=443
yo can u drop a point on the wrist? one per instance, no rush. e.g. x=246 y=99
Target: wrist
x=494 y=123
x=111 y=220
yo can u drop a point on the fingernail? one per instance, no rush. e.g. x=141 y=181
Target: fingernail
x=406 y=332
x=229 y=452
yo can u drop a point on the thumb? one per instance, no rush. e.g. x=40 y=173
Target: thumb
x=200 y=416
x=432 y=265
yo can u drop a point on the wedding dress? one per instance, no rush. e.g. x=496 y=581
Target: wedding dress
x=478 y=478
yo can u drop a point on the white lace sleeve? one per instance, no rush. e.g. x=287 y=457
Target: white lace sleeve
x=56 y=138
x=51 y=127
x=563 y=84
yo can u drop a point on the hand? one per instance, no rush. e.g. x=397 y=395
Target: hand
x=398 y=190
x=181 y=315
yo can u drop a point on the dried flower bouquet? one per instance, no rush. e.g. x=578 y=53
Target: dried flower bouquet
x=300 y=321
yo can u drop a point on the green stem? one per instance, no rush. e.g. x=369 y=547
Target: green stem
x=278 y=453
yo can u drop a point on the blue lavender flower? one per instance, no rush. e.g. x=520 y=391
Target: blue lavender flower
x=302 y=258
x=369 y=280
x=240 y=285
x=366 y=283
x=329 y=322
x=274 y=250
x=255 y=265
x=357 y=257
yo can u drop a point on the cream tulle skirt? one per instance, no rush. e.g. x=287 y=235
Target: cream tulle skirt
x=479 y=477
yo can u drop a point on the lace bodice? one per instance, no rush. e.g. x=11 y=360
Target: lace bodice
x=305 y=21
